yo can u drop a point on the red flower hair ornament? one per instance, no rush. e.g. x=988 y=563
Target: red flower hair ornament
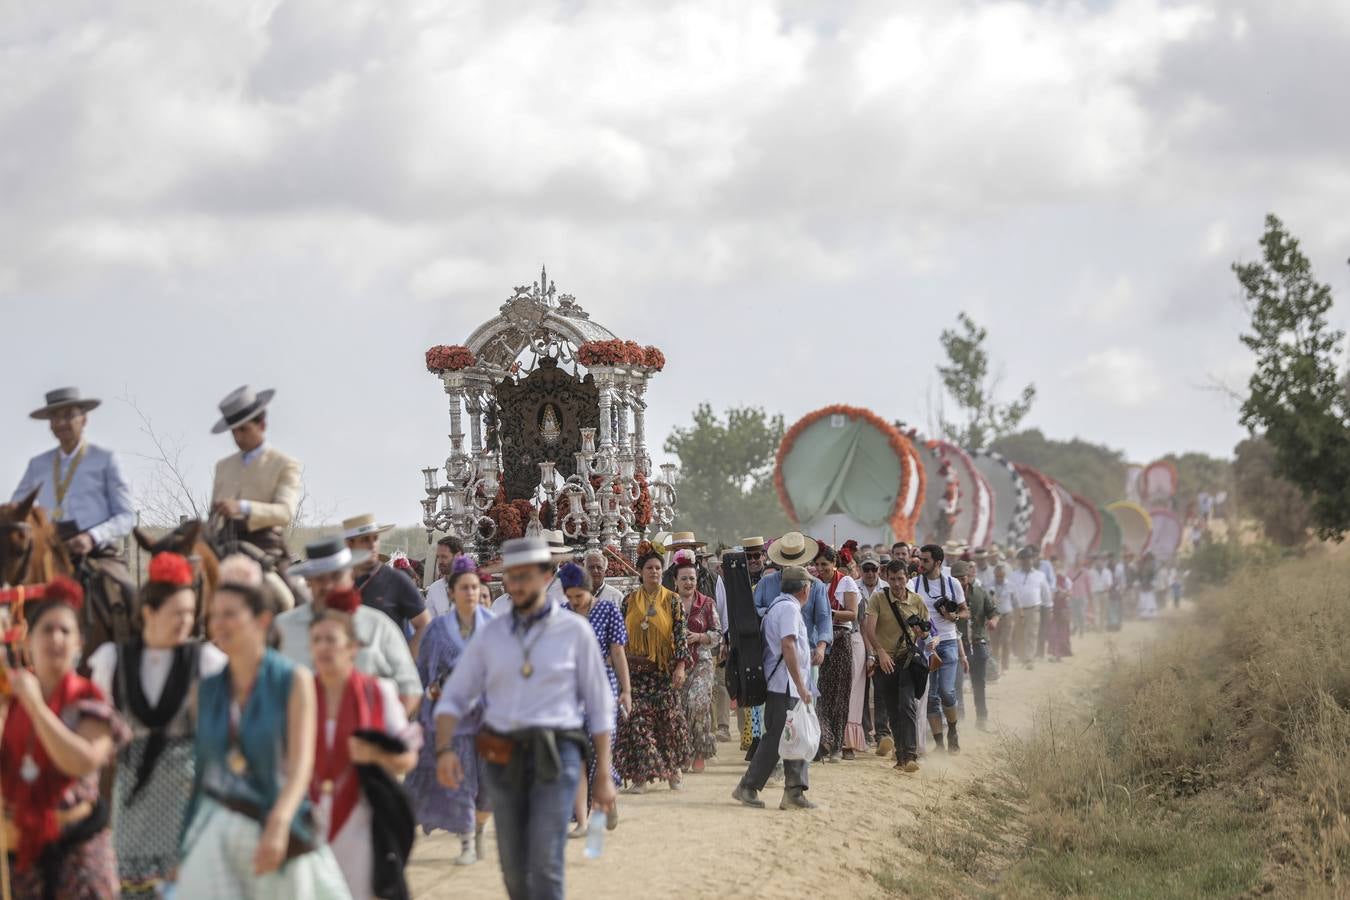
x=64 y=590
x=345 y=601
x=171 y=568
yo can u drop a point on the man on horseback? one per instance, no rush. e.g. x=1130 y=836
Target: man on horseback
x=256 y=490
x=82 y=487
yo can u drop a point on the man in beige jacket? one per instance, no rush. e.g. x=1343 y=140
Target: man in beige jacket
x=257 y=488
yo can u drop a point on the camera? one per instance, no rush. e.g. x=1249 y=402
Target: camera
x=947 y=605
x=915 y=622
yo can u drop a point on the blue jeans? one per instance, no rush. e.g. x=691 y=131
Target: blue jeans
x=531 y=824
x=942 y=683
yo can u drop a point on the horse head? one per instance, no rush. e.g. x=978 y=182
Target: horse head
x=188 y=540
x=30 y=550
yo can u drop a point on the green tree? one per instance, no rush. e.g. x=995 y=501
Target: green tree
x=726 y=474
x=1275 y=502
x=1296 y=398
x=971 y=384
x=1092 y=470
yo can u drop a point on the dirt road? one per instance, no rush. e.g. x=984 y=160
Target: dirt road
x=700 y=843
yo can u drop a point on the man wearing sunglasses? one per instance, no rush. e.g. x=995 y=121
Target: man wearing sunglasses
x=754 y=563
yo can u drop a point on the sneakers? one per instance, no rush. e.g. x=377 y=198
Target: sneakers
x=467 y=854
x=747 y=797
x=937 y=740
x=795 y=798
x=849 y=755
x=908 y=767
x=953 y=745
x=886 y=747
x=724 y=735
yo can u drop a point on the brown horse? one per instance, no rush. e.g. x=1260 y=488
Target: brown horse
x=187 y=540
x=30 y=550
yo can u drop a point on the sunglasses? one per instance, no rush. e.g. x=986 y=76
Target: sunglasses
x=753 y=554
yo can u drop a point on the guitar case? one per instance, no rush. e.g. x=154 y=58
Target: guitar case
x=745 y=644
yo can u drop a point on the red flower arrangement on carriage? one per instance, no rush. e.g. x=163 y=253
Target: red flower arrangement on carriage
x=449 y=358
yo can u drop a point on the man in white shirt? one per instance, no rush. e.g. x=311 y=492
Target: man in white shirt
x=1031 y=594
x=787 y=666
x=946 y=602
x=383 y=648
x=1100 y=581
x=438 y=595
x=597 y=566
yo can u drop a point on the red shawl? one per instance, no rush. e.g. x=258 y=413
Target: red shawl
x=834 y=584
x=34 y=804
x=362 y=707
x=700 y=618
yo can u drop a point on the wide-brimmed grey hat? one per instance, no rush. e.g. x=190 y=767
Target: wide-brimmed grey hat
x=328 y=555
x=241 y=405
x=64 y=398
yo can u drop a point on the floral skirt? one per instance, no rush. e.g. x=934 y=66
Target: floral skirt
x=836 y=684
x=653 y=741
x=88 y=872
x=698 y=711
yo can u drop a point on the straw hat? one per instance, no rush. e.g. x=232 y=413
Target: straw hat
x=362 y=525
x=684 y=540
x=793 y=549
x=328 y=555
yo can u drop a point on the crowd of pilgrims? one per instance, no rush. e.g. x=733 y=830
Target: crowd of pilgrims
x=201 y=731
x=293 y=752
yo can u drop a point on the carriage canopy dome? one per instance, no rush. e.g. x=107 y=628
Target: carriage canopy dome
x=850 y=461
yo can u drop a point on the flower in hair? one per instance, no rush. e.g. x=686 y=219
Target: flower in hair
x=64 y=590
x=171 y=568
x=346 y=600
x=463 y=563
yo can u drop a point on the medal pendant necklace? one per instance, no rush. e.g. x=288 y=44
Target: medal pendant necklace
x=235 y=759
x=62 y=485
x=527 y=667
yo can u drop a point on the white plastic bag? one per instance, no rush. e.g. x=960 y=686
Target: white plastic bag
x=801 y=733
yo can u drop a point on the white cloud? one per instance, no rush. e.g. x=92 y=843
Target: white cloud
x=288 y=191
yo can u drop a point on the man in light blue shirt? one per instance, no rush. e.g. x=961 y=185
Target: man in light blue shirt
x=80 y=485
x=540 y=676
x=795 y=549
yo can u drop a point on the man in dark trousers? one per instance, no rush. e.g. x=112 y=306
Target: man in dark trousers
x=787 y=667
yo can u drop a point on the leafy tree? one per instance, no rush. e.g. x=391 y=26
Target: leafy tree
x=970 y=383
x=1092 y=470
x=1275 y=502
x=1197 y=472
x=1296 y=398
x=726 y=474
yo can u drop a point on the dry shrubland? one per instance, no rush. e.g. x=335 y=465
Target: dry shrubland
x=1215 y=763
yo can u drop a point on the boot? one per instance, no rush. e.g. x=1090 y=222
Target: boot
x=747 y=796
x=795 y=798
x=935 y=725
x=886 y=746
x=953 y=744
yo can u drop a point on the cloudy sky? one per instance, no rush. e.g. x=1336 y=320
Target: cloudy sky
x=791 y=199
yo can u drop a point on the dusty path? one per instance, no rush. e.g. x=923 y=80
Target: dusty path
x=700 y=843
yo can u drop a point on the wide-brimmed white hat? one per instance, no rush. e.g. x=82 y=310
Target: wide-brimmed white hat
x=64 y=398
x=523 y=552
x=241 y=405
x=359 y=526
x=557 y=543
x=328 y=555
x=793 y=549
x=752 y=543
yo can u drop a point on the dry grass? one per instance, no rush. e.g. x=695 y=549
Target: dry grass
x=1217 y=764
